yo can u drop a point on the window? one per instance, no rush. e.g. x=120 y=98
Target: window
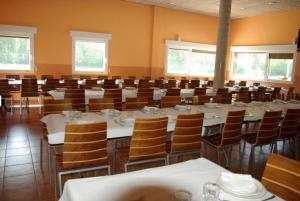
x=16 y=48
x=90 y=52
x=267 y=63
x=184 y=58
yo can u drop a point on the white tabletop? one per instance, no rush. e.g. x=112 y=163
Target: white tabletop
x=189 y=176
x=56 y=122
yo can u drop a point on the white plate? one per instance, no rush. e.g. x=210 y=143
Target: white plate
x=260 y=190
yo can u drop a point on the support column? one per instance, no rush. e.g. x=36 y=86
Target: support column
x=221 y=53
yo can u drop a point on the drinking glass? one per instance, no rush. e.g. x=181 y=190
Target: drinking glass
x=211 y=192
x=182 y=195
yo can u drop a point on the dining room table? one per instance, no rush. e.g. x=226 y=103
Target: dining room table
x=154 y=183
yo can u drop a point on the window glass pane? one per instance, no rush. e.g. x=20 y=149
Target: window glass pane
x=281 y=69
x=89 y=56
x=249 y=65
x=14 y=53
x=177 y=61
x=202 y=63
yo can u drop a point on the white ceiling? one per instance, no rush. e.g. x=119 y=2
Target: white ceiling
x=240 y=8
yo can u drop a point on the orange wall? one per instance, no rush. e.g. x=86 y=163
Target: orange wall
x=280 y=28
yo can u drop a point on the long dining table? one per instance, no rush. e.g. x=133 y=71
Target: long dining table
x=189 y=176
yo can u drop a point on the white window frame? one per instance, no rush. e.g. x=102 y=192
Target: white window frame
x=90 y=37
x=20 y=31
x=188 y=46
x=267 y=49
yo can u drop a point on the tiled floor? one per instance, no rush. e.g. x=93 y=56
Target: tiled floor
x=21 y=175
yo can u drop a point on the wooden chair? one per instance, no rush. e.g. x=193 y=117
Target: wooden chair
x=200 y=91
x=47 y=77
x=102 y=77
x=116 y=95
x=267 y=134
x=29 y=76
x=136 y=103
x=223 y=96
x=159 y=83
x=210 y=83
x=201 y=100
x=85 y=77
x=173 y=92
x=128 y=83
x=84 y=150
x=51 y=84
x=260 y=94
x=96 y=105
x=289 y=129
x=89 y=84
x=194 y=84
x=71 y=84
x=230 y=136
x=170 y=101
x=14 y=87
x=11 y=76
x=282 y=177
x=243 y=83
x=147 y=93
x=276 y=93
x=290 y=93
x=148 y=142
x=186 y=138
x=171 y=84
x=66 y=77
x=144 y=84
x=77 y=98
x=5 y=92
x=29 y=89
x=243 y=95
x=116 y=77
x=256 y=84
x=110 y=84
x=183 y=84
x=131 y=77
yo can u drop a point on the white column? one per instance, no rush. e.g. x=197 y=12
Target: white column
x=220 y=64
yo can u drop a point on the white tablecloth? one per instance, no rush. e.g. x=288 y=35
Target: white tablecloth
x=189 y=176
x=56 y=122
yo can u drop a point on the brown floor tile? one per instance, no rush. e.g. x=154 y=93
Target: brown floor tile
x=16 y=145
x=2 y=162
x=18 y=160
x=17 y=138
x=16 y=170
x=46 y=192
x=18 y=152
x=19 y=182
x=23 y=194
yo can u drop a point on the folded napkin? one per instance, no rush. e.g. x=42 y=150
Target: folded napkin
x=238 y=183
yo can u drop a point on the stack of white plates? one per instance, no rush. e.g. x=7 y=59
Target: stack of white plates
x=241 y=186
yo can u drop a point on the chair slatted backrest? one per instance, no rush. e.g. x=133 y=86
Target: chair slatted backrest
x=159 y=83
x=110 y=84
x=85 y=145
x=210 y=83
x=85 y=77
x=256 y=84
x=260 y=93
x=131 y=77
x=29 y=88
x=29 y=76
x=172 y=83
x=128 y=83
x=116 y=77
x=232 y=130
x=66 y=77
x=201 y=100
x=52 y=106
x=148 y=140
x=4 y=88
x=77 y=98
x=147 y=93
x=290 y=93
x=51 y=84
x=269 y=127
x=223 y=96
x=244 y=95
x=89 y=84
x=173 y=92
x=194 y=84
x=170 y=101
x=46 y=77
x=183 y=84
x=187 y=134
x=200 y=91
x=116 y=95
x=290 y=124
x=96 y=105
x=11 y=76
x=282 y=177
x=136 y=103
x=243 y=83
x=276 y=93
x=145 y=84
x=71 y=84
x=13 y=87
